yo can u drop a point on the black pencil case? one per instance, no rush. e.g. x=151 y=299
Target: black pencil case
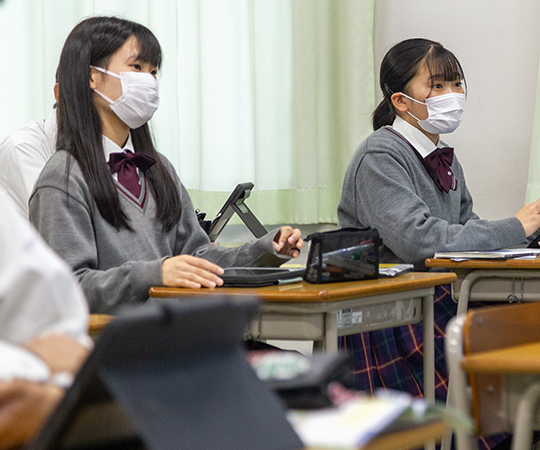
x=348 y=254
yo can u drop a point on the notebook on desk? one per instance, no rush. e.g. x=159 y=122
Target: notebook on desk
x=490 y=254
x=260 y=276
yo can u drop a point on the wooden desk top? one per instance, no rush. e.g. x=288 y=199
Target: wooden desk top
x=486 y=264
x=516 y=359
x=96 y=322
x=305 y=292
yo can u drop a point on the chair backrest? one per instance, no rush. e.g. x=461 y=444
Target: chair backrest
x=501 y=326
x=493 y=328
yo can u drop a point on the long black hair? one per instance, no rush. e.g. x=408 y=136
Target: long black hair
x=401 y=64
x=92 y=43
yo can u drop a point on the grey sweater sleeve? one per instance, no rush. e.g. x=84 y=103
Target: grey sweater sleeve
x=388 y=201
x=65 y=222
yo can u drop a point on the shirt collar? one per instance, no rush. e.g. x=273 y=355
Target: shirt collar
x=110 y=147
x=416 y=138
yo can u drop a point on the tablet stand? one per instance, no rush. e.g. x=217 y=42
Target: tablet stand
x=236 y=204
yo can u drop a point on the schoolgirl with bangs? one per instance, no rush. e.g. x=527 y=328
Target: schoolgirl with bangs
x=407 y=183
x=107 y=201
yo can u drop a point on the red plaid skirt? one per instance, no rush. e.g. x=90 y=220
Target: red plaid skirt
x=393 y=358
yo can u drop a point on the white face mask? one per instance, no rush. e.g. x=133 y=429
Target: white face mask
x=444 y=113
x=139 y=100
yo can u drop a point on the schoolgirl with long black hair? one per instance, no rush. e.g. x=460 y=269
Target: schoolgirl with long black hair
x=407 y=183
x=107 y=201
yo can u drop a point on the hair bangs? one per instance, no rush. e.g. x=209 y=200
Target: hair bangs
x=443 y=65
x=149 y=48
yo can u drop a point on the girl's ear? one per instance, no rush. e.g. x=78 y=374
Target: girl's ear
x=94 y=74
x=398 y=100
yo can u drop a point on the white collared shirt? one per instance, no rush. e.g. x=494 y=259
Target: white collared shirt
x=23 y=154
x=416 y=138
x=110 y=147
x=38 y=293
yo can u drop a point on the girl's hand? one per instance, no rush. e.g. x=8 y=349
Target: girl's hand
x=190 y=272
x=529 y=216
x=287 y=242
x=61 y=353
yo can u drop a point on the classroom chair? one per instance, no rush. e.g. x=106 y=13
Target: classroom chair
x=493 y=357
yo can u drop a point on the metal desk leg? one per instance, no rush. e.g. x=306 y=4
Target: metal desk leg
x=330 y=332
x=429 y=349
x=465 y=292
x=429 y=353
x=523 y=422
x=446 y=443
x=460 y=398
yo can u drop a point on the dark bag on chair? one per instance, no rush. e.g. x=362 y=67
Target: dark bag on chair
x=343 y=255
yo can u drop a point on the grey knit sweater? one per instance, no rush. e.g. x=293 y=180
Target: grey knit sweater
x=387 y=187
x=119 y=266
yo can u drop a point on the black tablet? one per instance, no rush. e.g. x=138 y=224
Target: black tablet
x=260 y=276
x=535 y=241
x=171 y=375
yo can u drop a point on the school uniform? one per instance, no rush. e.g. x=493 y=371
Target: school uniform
x=23 y=154
x=119 y=266
x=38 y=294
x=388 y=187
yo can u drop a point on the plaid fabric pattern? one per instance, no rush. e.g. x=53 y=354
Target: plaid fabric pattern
x=393 y=358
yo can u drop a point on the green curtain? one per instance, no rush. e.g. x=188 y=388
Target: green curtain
x=277 y=92
x=533 y=182
x=327 y=113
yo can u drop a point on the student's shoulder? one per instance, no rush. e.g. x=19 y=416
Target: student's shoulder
x=62 y=176
x=170 y=168
x=381 y=142
x=176 y=178
x=166 y=162
x=60 y=166
x=57 y=162
x=33 y=131
x=29 y=136
x=384 y=140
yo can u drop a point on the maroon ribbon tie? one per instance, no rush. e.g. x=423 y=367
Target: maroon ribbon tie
x=439 y=162
x=126 y=164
